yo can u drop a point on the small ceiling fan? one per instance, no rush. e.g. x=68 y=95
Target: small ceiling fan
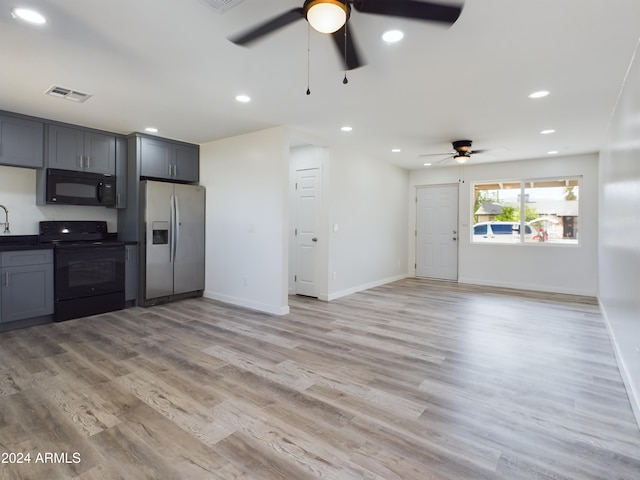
x=332 y=16
x=461 y=154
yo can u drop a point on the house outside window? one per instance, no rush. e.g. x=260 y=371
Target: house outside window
x=541 y=211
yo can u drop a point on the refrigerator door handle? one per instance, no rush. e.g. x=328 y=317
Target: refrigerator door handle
x=176 y=225
x=172 y=228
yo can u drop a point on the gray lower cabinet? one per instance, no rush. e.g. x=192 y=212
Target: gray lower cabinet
x=80 y=150
x=169 y=160
x=27 y=284
x=21 y=142
x=131 y=273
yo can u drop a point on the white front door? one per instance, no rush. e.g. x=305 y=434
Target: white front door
x=307 y=204
x=437 y=232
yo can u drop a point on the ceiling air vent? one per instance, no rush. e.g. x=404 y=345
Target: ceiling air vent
x=223 y=5
x=67 y=93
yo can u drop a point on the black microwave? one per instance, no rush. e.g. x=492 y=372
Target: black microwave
x=65 y=187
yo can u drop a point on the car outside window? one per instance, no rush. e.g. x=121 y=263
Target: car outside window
x=480 y=230
x=502 y=228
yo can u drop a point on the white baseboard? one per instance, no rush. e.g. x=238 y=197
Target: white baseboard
x=527 y=286
x=634 y=396
x=243 y=302
x=359 y=288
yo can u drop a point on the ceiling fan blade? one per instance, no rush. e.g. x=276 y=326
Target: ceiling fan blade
x=490 y=151
x=435 y=154
x=268 y=27
x=410 y=9
x=349 y=55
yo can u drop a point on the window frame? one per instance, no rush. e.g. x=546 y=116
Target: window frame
x=524 y=184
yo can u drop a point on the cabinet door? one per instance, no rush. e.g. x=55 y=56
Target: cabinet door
x=187 y=163
x=99 y=153
x=21 y=142
x=27 y=292
x=155 y=158
x=65 y=148
x=121 y=173
x=131 y=273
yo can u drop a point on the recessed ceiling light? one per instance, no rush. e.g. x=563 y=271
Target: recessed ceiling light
x=346 y=128
x=427 y=164
x=151 y=130
x=28 y=15
x=392 y=36
x=552 y=152
x=396 y=150
x=243 y=98
x=547 y=132
x=539 y=94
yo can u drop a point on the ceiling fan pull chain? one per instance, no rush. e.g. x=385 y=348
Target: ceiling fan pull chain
x=345 y=80
x=308 y=58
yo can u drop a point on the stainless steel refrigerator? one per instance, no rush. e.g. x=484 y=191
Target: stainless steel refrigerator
x=173 y=242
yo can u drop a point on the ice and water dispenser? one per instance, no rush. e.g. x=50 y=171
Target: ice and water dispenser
x=160 y=233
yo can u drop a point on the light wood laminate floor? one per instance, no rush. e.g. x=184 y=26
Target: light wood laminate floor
x=412 y=380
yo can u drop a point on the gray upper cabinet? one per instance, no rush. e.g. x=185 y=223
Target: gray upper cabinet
x=187 y=163
x=169 y=160
x=155 y=158
x=21 y=142
x=80 y=150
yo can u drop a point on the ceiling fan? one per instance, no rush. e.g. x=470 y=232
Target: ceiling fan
x=461 y=154
x=331 y=16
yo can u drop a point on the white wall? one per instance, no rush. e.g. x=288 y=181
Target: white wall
x=248 y=181
x=18 y=194
x=247 y=219
x=543 y=267
x=619 y=252
x=367 y=202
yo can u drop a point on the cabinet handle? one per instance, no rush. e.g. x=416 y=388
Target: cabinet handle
x=88 y=162
x=169 y=169
x=175 y=170
x=6 y=279
x=80 y=162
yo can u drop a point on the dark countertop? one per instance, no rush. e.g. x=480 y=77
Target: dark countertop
x=21 y=242
x=30 y=242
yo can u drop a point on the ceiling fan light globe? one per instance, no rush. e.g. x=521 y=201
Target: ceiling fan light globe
x=461 y=158
x=327 y=16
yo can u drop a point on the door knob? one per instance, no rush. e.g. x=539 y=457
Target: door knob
x=314 y=239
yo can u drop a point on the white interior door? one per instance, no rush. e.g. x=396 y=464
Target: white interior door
x=307 y=204
x=437 y=232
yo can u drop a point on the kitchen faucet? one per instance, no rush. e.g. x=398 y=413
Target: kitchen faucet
x=6 y=219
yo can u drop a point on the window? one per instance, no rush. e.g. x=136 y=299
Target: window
x=546 y=210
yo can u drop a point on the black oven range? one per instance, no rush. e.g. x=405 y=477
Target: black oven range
x=89 y=268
